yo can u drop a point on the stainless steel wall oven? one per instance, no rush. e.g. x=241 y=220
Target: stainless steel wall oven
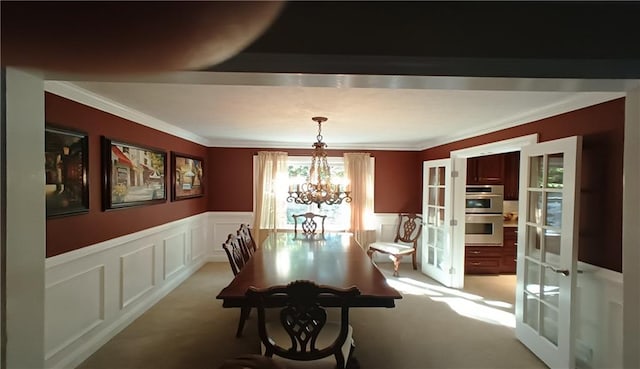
x=484 y=219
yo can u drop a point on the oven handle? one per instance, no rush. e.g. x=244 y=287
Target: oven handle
x=481 y=196
x=484 y=215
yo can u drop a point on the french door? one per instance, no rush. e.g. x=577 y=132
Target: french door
x=438 y=260
x=547 y=249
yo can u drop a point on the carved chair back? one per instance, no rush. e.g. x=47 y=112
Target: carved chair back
x=409 y=229
x=235 y=254
x=303 y=318
x=247 y=244
x=308 y=224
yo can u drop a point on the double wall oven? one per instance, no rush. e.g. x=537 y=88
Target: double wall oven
x=483 y=219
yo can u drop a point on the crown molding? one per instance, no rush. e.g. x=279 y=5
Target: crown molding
x=80 y=95
x=307 y=145
x=73 y=92
x=575 y=102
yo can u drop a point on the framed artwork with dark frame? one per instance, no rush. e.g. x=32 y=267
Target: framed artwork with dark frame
x=133 y=175
x=187 y=173
x=66 y=187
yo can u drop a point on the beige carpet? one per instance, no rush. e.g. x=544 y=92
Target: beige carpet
x=431 y=327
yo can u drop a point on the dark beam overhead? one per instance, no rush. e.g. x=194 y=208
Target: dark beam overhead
x=510 y=39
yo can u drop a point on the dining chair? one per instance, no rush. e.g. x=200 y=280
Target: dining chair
x=405 y=242
x=308 y=224
x=246 y=238
x=303 y=333
x=232 y=246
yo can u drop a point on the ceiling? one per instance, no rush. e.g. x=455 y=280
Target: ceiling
x=382 y=81
x=268 y=110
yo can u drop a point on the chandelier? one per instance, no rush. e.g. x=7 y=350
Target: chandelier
x=318 y=188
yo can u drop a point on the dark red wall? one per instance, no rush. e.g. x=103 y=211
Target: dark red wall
x=397 y=178
x=602 y=128
x=74 y=232
x=229 y=179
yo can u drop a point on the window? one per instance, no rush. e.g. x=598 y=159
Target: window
x=338 y=216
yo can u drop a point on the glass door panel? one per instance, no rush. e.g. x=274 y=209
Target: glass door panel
x=431 y=196
x=553 y=216
x=549 y=326
x=535 y=208
x=551 y=285
x=555 y=171
x=534 y=243
x=536 y=165
x=432 y=177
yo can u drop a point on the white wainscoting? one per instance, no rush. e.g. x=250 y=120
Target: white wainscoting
x=93 y=293
x=599 y=323
x=220 y=225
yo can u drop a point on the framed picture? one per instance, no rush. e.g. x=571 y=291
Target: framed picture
x=66 y=186
x=133 y=175
x=187 y=176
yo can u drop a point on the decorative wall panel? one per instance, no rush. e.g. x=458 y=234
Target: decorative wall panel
x=74 y=306
x=598 y=318
x=137 y=274
x=94 y=292
x=221 y=224
x=197 y=243
x=174 y=254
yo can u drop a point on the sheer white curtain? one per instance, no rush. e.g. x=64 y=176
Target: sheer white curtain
x=271 y=190
x=358 y=168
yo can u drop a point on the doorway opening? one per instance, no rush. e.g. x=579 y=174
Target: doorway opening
x=489 y=263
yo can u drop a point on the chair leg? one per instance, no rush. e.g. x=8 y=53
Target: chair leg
x=352 y=363
x=415 y=263
x=340 y=362
x=244 y=315
x=370 y=253
x=396 y=265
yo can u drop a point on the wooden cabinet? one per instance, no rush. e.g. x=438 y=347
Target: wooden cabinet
x=509 y=250
x=486 y=170
x=498 y=169
x=482 y=259
x=493 y=259
x=511 y=175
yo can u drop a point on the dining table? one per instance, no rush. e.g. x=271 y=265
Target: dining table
x=336 y=260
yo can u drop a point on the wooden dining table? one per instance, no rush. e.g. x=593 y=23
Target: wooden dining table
x=336 y=260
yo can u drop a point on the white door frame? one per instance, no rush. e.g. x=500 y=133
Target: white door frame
x=25 y=241
x=631 y=231
x=459 y=158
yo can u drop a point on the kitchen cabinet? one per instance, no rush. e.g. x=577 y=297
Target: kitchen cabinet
x=486 y=170
x=493 y=259
x=482 y=259
x=511 y=175
x=509 y=250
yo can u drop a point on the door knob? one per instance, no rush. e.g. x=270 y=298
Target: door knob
x=564 y=272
